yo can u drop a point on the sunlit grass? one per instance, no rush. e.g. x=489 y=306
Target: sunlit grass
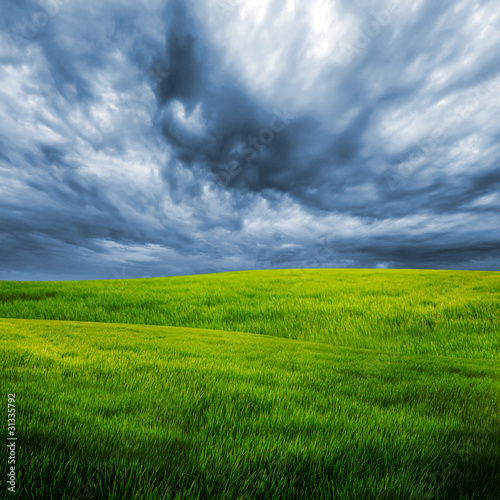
x=448 y=313
x=175 y=413
x=363 y=384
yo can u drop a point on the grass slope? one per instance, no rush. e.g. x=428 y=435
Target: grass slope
x=144 y=412
x=447 y=313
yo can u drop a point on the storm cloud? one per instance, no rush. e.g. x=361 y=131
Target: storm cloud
x=175 y=137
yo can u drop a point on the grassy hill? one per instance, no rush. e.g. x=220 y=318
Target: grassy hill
x=143 y=412
x=448 y=313
x=356 y=384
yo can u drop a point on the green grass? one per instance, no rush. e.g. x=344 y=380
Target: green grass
x=148 y=412
x=446 y=313
x=295 y=384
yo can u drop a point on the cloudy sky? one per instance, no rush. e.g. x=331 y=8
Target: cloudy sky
x=157 y=138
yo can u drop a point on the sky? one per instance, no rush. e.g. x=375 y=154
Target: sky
x=160 y=138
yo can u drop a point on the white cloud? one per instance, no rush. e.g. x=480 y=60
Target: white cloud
x=83 y=123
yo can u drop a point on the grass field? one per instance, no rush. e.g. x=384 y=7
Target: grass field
x=448 y=313
x=406 y=408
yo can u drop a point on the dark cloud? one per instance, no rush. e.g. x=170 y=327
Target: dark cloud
x=178 y=138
